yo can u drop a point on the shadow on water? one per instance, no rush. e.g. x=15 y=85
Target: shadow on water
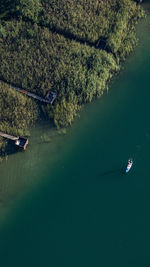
x=136 y=155
x=119 y=172
x=9 y=149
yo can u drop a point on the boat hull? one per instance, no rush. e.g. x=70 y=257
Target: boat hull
x=129 y=166
x=128 y=169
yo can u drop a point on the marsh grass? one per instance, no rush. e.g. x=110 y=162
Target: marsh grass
x=53 y=45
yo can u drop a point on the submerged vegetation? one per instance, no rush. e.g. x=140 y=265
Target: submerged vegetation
x=56 y=45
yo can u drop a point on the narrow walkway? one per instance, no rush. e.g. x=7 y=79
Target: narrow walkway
x=11 y=137
x=29 y=94
x=49 y=98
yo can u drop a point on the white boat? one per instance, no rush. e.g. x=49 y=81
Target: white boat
x=130 y=163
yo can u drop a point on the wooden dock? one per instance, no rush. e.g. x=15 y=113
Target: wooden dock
x=8 y=136
x=19 y=141
x=49 y=99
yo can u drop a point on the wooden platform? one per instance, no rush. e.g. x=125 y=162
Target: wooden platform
x=8 y=136
x=19 y=141
x=49 y=99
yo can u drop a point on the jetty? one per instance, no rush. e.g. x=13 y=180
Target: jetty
x=19 y=141
x=49 y=98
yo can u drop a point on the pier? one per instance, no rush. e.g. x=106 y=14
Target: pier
x=49 y=99
x=19 y=141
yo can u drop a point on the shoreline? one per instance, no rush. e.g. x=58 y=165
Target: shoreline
x=89 y=83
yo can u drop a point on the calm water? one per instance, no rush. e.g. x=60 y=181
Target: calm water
x=66 y=201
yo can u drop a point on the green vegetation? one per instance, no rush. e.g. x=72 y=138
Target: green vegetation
x=49 y=61
x=29 y=9
x=92 y=20
x=54 y=45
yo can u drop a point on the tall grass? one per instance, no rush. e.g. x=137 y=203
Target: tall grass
x=54 y=45
x=47 y=61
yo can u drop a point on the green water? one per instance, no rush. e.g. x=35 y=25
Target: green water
x=66 y=201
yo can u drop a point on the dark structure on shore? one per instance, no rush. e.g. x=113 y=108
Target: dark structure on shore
x=18 y=141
